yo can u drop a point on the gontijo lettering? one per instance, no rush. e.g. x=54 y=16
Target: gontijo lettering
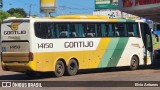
x=14 y=27
x=14 y=32
x=79 y=44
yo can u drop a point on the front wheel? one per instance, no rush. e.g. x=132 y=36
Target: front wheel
x=72 y=68
x=134 y=63
x=59 y=69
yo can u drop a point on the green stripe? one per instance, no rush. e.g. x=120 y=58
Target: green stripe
x=121 y=20
x=128 y=20
x=118 y=52
x=109 y=52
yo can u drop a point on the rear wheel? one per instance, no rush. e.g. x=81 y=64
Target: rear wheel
x=59 y=69
x=72 y=67
x=134 y=63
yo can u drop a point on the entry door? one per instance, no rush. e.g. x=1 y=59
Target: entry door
x=147 y=40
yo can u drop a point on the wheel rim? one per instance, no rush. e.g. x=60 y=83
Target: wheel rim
x=59 y=68
x=72 y=67
x=134 y=63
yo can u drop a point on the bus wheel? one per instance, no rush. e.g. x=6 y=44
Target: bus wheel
x=59 y=69
x=134 y=63
x=72 y=68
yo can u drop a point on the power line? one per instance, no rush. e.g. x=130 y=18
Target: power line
x=66 y=1
x=76 y=7
x=73 y=8
x=63 y=8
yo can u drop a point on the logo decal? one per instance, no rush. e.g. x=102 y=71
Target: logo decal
x=14 y=25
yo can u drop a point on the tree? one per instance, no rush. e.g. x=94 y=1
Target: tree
x=3 y=15
x=34 y=15
x=17 y=12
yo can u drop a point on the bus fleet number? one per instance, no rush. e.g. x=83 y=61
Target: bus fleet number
x=45 y=45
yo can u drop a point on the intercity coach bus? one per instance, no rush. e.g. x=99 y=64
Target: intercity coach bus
x=70 y=43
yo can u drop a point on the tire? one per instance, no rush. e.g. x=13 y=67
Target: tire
x=59 y=69
x=72 y=68
x=134 y=63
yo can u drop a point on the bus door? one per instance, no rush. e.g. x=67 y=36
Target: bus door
x=147 y=40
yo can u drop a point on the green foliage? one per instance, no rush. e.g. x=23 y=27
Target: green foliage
x=34 y=15
x=3 y=15
x=17 y=15
x=17 y=12
x=13 y=12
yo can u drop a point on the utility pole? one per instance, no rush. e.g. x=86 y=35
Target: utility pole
x=1 y=3
x=30 y=6
x=62 y=8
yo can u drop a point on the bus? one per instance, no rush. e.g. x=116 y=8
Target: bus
x=69 y=43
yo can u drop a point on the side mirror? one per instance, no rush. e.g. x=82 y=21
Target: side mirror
x=157 y=38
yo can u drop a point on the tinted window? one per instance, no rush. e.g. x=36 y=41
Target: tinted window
x=133 y=30
x=45 y=30
x=49 y=30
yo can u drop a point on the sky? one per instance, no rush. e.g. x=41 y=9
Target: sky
x=70 y=6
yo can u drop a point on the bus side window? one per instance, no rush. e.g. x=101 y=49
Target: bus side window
x=63 y=28
x=56 y=30
x=81 y=30
x=42 y=30
x=37 y=29
x=120 y=30
x=130 y=30
x=111 y=30
x=51 y=31
x=104 y=29
x=73 y=31
x=99 y=30
x=126 y=30
x=136 y=30
x=116 y=27
x=133 y=30
x=90 y=30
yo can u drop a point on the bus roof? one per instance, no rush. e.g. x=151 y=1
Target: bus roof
x=81 y=18
x=94 y=17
